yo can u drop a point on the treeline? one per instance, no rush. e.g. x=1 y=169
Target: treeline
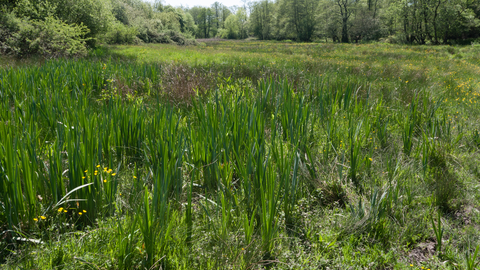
x=55 y=28
x=220 y=21
x=68 y=27
x=396 y=21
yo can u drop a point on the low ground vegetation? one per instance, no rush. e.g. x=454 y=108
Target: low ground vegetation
x=242 y=155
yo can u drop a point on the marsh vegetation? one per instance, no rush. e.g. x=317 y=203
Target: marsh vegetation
x=242 y=155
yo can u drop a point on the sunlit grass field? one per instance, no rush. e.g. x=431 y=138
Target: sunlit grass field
x=242 y=155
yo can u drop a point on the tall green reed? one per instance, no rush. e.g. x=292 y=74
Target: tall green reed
x=55 y=133
x=270 y=200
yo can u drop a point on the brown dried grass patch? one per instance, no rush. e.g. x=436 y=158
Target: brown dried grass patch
x=181 y=82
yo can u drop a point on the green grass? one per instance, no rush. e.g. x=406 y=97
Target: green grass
x=242 y=154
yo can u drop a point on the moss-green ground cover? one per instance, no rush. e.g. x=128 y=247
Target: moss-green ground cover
x=242 y=155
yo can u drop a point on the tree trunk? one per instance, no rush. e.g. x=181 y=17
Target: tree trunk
x=345 y=30
x=435 y=21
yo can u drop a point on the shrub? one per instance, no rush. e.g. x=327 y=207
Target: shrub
x=55 y=38
x=121 y=34
x=9 y=42
x=49 y=38
x=96 y=15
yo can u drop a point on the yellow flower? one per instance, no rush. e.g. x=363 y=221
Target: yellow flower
x=65 y=211
x=86 y=171
x=43 y=217
x=80 y=213
x=105 y=180
x=95 y=171
x=134 y=177
x=83 y=177
x=113 y=174
x=98 y=166
x=370 y=159
x=60 y=209
x=35 y=219
x=84 y=211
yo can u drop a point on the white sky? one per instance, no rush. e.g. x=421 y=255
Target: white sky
x=204 y=3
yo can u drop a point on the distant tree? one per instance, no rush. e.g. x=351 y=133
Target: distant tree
x=232 y=28
x=346 y=8
x=225 y=13
x=190 y=26
x=158 y=5
x=242 y=18
x=364 y=24
x=217 y=18
x=329 y=21
x=261 y=19
x=297 y=19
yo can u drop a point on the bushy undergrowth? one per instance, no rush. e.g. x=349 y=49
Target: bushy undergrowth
x=48 y=38
x=66 y=28
x=311 y=156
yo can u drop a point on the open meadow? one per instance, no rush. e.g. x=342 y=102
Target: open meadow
x=242 y=155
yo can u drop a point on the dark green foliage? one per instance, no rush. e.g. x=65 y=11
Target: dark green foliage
x=418 y=22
